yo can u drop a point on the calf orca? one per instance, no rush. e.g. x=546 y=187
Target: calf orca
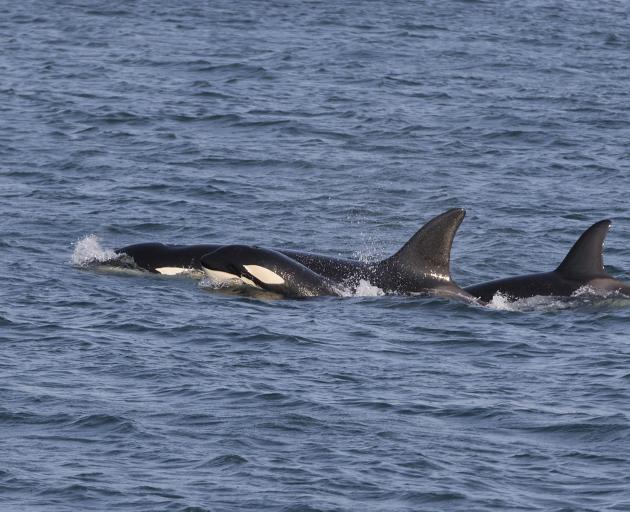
x=582 y=266
x=161 y=258
x=422 y=265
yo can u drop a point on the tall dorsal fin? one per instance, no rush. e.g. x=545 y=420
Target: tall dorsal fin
x=428 y=252
x=585 y=257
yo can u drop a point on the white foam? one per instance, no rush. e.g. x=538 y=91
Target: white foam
x=589 y=291
x=363 y=289
x=89 y=250
x=215 y=279
x=503 y=302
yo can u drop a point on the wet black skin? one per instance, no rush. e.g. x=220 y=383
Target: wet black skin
x=151 y=256
x=548 y=283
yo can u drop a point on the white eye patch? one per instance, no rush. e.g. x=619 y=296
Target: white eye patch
x=264 y=275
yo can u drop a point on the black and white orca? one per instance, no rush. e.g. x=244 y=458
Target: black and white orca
x=421 y=266
x=266 y=269
x=582 y=267
x=161 y=258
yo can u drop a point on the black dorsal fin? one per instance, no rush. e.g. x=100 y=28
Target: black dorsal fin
x=585 y=257
x=428 y=252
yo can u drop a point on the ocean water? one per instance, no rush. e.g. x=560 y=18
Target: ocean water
x=333 y=127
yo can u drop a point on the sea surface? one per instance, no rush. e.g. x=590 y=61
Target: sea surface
x=334 y=127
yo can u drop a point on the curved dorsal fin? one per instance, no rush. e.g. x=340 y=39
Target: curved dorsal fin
x=585 y=257
x=428 y=252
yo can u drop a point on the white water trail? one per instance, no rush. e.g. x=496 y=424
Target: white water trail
x=583 y=296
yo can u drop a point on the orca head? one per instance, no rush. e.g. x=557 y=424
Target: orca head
x=147 y=256
x=266 y=269
x=224 y=265
x=162 y=258
x=250 y=265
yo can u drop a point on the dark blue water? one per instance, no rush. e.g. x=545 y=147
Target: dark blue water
x=326 y=126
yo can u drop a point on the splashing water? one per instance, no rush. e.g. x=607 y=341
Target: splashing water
x=89 y=250
x=583 y=296
x=366 y=289
x=590 y=292
x=503 y=302
x=370 y=253
x=213 y=283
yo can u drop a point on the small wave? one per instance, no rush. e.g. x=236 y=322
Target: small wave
x=231 y=459
x=104 y=422
x=30 y=418
x=584 y=431
x=89 y=250
x=4 y=321
x=108 y=12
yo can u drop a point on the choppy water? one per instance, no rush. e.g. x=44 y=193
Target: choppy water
x=339 y=128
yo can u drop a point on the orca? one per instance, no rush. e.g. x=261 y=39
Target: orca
x=266 y=269
x=161 y=258
x=583 y=266
x=421 y=266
